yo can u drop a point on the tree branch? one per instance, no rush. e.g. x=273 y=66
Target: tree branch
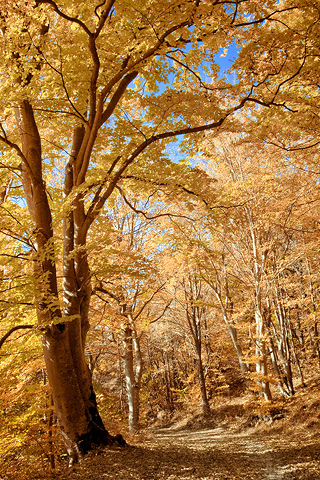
x=13 y=329
x=102 y=18
x=15 y=147
x=263 y=19
x=162 y=313
x=186 y=190
x=141 y=212
x=100 y=200
x=148 y=301
x=117 y=96
x=294 y=149
x=129 y=65
x=64 y=15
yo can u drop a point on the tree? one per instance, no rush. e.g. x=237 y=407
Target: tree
x=215 y=275
x=257 y=247
x=283 y=59
x=129 y=282
x=195 y=311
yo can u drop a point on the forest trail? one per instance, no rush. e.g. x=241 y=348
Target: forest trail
x=207 y=454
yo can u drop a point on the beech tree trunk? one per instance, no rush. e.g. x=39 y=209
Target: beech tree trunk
x=220 y=287
x=194 y=313
x=261 y=353
x=203 y=389
x=259 y=259
x=231 y=329
x=138 y=375
x=282 y=339
x=132 y=376
x=64 y=329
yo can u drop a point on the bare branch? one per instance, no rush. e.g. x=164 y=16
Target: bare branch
x=101 y=289
x=148 y=301
x=141 y=212
x=162 y=313
x=293 y=149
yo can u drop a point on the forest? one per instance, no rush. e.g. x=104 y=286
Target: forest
x=159 y=221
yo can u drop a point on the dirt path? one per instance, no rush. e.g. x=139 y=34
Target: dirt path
x=210 y=454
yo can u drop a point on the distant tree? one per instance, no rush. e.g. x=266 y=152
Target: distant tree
x=128 y=280
x=257 y=249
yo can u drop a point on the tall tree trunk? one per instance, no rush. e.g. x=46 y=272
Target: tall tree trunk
x=231 y=329
x=221 y=291
x=203 y=388
x=138 y=375
x=131 y=380
x=261 y=355
x=259 y=259
x=276 y=367
x=284 y=351
x=198 y=347
x=166 y=379
x=64 y=335
x=314 y=336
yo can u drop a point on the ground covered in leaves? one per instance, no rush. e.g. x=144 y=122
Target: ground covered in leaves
x=242 y=440
x=207 y=454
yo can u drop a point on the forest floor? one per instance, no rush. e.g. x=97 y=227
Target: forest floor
x=282 y=442
x=207 y=454
x=243 y=439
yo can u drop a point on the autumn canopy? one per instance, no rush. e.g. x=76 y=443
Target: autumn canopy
x=117 y=109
